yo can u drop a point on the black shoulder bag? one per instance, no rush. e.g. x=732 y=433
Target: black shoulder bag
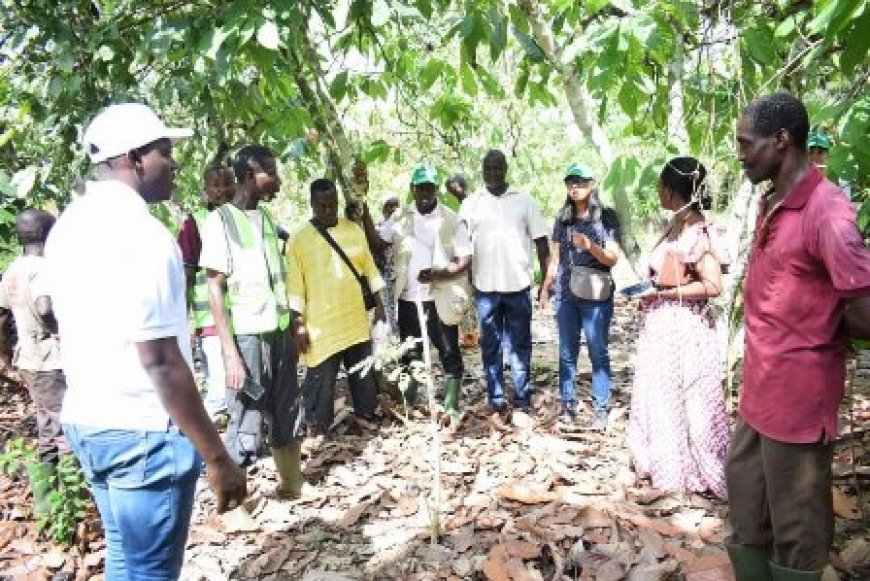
x=368 y=296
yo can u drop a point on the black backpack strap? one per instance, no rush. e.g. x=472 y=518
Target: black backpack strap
x=331 y=241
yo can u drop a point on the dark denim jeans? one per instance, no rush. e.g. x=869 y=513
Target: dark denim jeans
x=510 y=314
x=593 y=319
x=143 y=483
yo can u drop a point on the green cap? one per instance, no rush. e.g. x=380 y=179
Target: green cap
x=577 y=170
x=819 y=139
x=424 y=174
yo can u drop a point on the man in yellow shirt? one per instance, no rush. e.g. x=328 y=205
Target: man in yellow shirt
x=330 y=322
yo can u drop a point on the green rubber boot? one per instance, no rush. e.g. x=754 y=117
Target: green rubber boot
x=288 y=463
x=41 y=477
x=451 y=396
x=410 y=394
x=781 y=573
x=750 y=563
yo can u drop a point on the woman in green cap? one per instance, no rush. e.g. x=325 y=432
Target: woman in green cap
x=584 y=247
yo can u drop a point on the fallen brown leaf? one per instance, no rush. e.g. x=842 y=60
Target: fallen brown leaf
x=527 y=493
x=652 y=542
x=856 y=553
x=591 y=518
x=845 y=506
x=717 y=560
x=682 y=555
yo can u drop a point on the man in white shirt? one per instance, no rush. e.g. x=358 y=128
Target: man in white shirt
x=432 y=252
x=502 y=222
x=132 y=413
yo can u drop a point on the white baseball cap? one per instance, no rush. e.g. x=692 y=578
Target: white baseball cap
x=125 y=127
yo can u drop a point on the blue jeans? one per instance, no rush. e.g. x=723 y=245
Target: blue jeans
x=143 y=483
x=511 y=314
x=593 y=319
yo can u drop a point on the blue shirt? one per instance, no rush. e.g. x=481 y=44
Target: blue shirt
x=601 y=231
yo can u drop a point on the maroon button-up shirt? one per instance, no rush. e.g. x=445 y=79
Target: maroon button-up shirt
x=807 y=259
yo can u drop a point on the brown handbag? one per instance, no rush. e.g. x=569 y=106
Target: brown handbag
x=674 y=272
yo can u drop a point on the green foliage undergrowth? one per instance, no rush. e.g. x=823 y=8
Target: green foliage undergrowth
x=69 y=497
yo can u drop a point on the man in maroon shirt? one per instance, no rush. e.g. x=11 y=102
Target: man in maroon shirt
x=219 y=189
x=807 y=289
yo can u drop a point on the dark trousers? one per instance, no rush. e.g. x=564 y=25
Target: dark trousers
x=318 y=389
x=780 y=497
x=270 y=359
x=445 y=338
x=508 y=314
x=46 y=390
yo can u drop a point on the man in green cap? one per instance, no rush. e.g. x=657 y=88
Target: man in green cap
x=432 y=253
x=818 y=146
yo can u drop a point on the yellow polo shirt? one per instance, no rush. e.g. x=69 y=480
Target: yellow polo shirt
x=322 y=289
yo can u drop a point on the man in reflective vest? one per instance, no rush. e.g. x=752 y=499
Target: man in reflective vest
x=218 y=190
x=247 y=294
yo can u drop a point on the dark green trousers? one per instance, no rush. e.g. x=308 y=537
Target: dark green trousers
x=780 y=497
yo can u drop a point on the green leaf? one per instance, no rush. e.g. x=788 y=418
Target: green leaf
x=268 y=36
x=786 y=27
x=338 y=87
x=835 y=16
x=489 y=82
x=857 y=43
x=628 y=98
x=425 y=7
x=65 y=60
x=531 y=48
x=469 y=85
x=522 y=81
x=760 y=45
x=213 y=40
x=6 y=217
x=466 y=26
x=430 y=73
x=518 y=18
x=498 y=38
x=379 y=150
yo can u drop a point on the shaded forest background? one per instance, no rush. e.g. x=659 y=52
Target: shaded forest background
x=619 y=85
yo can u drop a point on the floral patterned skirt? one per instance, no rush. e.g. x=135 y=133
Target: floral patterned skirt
x=678 y=429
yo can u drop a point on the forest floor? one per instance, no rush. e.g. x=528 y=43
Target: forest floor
x=519 y=500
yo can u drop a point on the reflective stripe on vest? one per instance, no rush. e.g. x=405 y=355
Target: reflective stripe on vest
x=200 y=310
x=239 y=231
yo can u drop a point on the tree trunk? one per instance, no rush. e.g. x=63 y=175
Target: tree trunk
x=677 y=133
x=339 y=155
x=738 y=242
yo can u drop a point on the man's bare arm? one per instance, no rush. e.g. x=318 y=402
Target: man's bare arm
x=176 y=388
x=235 y=365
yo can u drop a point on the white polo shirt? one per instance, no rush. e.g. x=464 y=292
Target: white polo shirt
x=115 y=277
x=502 y=229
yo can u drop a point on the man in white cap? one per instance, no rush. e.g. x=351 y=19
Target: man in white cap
x=132 y=414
